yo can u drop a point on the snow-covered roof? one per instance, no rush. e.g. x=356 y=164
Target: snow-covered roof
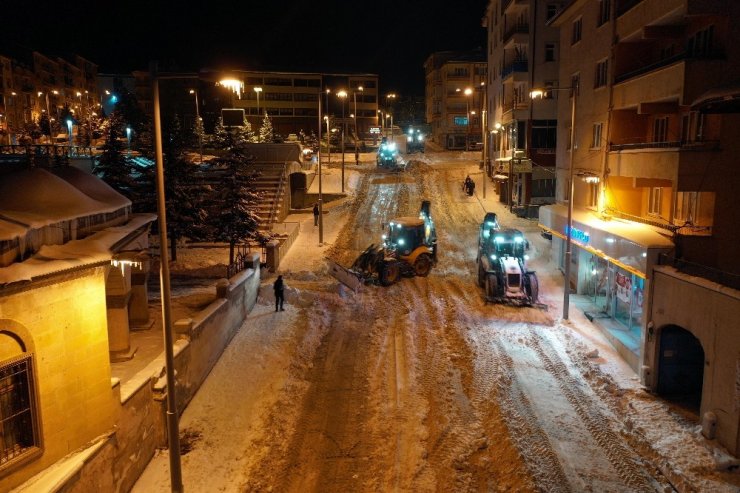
x=77 y=253
x=10 y=230
x=36 y=197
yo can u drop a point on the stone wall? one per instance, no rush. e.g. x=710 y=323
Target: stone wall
x=116 y=459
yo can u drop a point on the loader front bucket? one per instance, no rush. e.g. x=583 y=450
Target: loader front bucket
x=345 y=276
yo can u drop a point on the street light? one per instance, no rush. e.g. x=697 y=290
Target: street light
x=258 y=90
x=198 y=121
x=468 y=91
x=354 y=96
x=540 y=93
x=388 y=97
x=128 y=138
x=343 y=96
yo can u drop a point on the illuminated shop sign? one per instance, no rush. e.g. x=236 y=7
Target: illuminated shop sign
x=578 y=235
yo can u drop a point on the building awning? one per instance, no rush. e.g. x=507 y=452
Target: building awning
x=627 y=244
x=501 y=177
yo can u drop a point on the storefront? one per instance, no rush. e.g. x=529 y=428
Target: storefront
x=610 y=263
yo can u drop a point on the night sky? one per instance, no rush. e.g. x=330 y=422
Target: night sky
x=390 y=38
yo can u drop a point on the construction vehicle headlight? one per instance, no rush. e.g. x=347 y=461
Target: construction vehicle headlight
x=518 y=239
x=493 y=256
x=420 y=137
x=392 y=146
x=409 y=139
x=498 y=239
x=384 y=237
x=401 y=242
x=526 y=257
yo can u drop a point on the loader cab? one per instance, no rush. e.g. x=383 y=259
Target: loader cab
x=508 y=243
x=405 y=234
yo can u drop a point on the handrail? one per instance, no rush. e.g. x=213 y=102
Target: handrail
x=273 y=209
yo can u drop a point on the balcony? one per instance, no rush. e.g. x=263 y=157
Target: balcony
x=713 y=55
x=517 y=29
x=519 y=66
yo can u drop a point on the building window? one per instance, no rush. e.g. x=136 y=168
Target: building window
x=602 y=69
x=692 y=127
x=604 y=12
x=550 y=52
x=654 y=202
x=593 y=195
x=701 y=43
x=552 y=10
x=18 y=413
x=660 y=129
x=596 y=136
x=577 y=30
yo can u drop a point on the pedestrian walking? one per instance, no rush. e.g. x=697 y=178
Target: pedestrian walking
x=315 y=214
x=278 y=286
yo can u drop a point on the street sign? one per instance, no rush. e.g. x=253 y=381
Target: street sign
x=374 y=130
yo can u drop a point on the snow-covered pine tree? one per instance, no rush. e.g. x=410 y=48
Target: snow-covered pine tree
x=266 y=132
x=112 y=165
x=232 y=214
x=184 y=188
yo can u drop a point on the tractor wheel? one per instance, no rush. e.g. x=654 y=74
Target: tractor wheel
x=423 y=265
x=533 y=287
x=390 y=273
x=481 y=275
x=491 y=286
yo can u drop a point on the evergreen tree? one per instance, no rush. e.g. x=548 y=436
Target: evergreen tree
x=266 y=133
x=184 y=189
x=112 y=165
x=235 y=198
x=198 y=136
x=224 y=138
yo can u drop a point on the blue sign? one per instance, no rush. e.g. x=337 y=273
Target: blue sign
x=578 y=235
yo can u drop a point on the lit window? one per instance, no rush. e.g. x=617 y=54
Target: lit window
x=654 y=203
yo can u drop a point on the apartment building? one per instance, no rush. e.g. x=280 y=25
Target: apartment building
x=522 y=55
x=652 y=177
x=454 y=93
x=33 y=83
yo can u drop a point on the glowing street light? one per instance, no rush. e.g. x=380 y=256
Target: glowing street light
x=234 y=85
x=128 y=137
x=200 y=129
x=258 y=90
x=343 y=96
x=69 y=131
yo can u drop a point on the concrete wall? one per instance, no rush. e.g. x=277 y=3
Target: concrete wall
x=62 y=322
x=277 y=249
x=714 y=321
x=123 y=448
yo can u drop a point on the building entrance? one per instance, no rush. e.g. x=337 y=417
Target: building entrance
x=680 y=367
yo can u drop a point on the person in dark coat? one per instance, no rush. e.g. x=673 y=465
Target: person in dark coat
x=316 y=214
x=279 y=296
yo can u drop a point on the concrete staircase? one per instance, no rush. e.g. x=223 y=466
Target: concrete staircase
x=272 y=182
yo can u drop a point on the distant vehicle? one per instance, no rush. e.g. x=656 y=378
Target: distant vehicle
x=292 y=138
x=388 y=156
x=307 y=153
x=414 y=140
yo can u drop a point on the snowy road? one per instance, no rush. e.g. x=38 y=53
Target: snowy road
x=420 y=386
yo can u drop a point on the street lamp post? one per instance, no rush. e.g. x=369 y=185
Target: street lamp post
x=357 y=135
x=69 y=132
x=538 y=93
x=128 y=138
x=343 y=96
x=468 y=92
x=388 y=103
x=199 y=123
x=321 y=197
x=258 y=90
x=328 y=131
x=173 y=434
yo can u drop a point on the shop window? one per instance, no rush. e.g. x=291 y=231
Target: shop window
x=654 y=202
x=18 y=413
